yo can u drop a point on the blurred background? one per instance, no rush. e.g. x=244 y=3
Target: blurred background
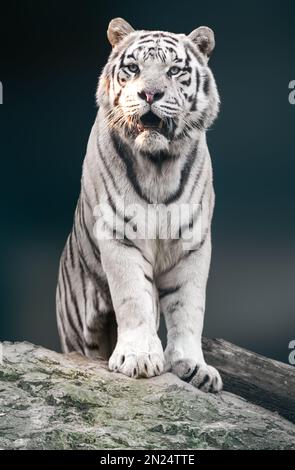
x=51 y=55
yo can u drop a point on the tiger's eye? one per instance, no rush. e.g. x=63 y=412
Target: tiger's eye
x=133 y=68
x=174 y=70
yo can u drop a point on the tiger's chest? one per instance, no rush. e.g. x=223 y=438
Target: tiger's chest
x=167 y=253
x=167 y=238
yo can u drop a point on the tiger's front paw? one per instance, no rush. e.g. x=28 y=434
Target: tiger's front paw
x=138 y=359
x=200 y=375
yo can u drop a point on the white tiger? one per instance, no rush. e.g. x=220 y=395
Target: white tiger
x=156 y=98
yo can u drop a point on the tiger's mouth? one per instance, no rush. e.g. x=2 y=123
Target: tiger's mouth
x=150 y=122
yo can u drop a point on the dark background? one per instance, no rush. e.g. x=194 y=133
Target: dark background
x=51 y=55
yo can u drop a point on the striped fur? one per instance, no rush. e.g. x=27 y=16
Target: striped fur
x=111 y=292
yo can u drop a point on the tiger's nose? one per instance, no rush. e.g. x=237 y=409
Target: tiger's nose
x=150 y=96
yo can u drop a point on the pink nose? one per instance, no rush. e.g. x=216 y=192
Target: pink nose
x=150 y=96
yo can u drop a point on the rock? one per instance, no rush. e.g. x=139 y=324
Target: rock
x=258 y=379
x=54 y=401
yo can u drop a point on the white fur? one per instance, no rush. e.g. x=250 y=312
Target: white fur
x=129 y=270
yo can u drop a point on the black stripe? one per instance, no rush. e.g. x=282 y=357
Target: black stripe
x=91 y=346
x=121 y=60
x=186 y=82
x=198 y=176
x=168 y=291
x=110 y=174
x=59 y=291
x=204 y=381
x=73 y=298
x=150 y=34
x=187 y=69
x=188 y=59
x=185 y=173
x=184 y=133
x=82 y=277
x=130 y=244
x=174 y=306
x=113 y=72
x=187 y=253
x=197 y=248
x=92 y=329
x=198 y=79
x=206 y=85
x=171 y=38
x=70 y=241
x=204 y=238
x=168 y=41
x=195 y=53
x=161 y=54
x=194 y=105
x=68 y=313
x=60 y=322
x=117 y=97
x=85 y=230
x=200 y=122
x=115 y=209
x=194 y=100
x=159 y=158
x=148 y=278
x=97 y=278
x=171 y=108
x=144 y=41
x=192 y=375
x=144 y=257
x=126 y=72
x=132 y=106
x=182 y=229
x=125 y=154
x=196 y=214
x=61 y=329
x=173 y=101
x=122 y=238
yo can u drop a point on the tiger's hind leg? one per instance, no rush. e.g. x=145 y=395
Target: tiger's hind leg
x=100 y=329
x=85 y=314
x=70 y=308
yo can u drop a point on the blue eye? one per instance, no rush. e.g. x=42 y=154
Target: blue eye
x=174 y=70
x=133 y=68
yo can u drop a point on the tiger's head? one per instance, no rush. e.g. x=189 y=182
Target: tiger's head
x=157 y=88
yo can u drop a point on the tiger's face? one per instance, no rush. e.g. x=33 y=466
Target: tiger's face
x=156 y=87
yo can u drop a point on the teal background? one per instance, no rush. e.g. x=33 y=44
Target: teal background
x=51 y=55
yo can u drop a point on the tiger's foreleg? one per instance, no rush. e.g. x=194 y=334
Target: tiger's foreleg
x=182 y=298
x=138 y=351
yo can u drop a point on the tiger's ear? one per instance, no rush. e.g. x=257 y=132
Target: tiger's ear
x=203 y=37
x=117 y=30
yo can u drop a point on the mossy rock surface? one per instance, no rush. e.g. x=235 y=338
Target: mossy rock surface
x=54 y=401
